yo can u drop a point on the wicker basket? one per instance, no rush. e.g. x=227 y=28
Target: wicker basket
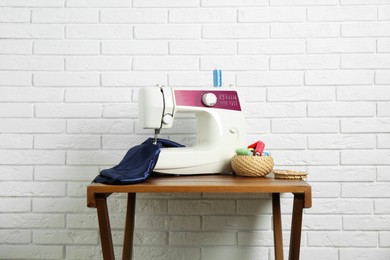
x=289 y=175
x=252 y=166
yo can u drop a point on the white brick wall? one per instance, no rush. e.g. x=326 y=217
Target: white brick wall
x=315 y=78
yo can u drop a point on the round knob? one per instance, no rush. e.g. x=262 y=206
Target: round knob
x=209 y=99
x=167 y=119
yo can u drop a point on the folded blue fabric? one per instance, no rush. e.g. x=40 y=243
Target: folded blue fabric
x=137 y=165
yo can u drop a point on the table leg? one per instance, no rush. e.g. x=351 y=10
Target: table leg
x=104 y=226
x=296 y=226
x=129 y=227
x=277 y=224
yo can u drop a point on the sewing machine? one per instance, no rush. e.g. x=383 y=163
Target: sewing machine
x=220 y=127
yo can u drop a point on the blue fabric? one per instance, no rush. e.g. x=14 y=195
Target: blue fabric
x=137 y=165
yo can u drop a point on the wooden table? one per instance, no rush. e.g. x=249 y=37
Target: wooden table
x=97 y=198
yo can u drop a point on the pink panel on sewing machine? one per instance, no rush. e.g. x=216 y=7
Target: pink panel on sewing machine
x=225 y=99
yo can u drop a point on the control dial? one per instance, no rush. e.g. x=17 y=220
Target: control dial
x=209 y=99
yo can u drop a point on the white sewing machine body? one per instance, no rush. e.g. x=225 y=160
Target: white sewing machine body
x=220 y=127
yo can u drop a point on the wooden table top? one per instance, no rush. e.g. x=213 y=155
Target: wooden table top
x=205 y=183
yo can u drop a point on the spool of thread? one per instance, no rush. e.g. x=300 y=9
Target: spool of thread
x=217 y=77
x=259 y=148
x=243 y=151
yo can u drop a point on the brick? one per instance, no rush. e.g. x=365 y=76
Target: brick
x=99 y=63
x=343 y=13
x=66 y=142
x=98 y=3
x=16 y=110
x=368 y=125
x=383 y=45
x=169 y=222
x=99 y=31
x=35 y=3
x=65 y=173
x=231 y=253
x=16 y=46
x=338 y=77
x=383 y=173
x=202 y=15
x=32 y=31
x=134 y=15
x=14 y=173
x=342 y=239
x=341 y=109
x=270 y=78
x=168 y=3
x=58 y=205
x=288 y=141
x=165 y=63
x=98 y=95
x=342 y=206
x=13 y=236
x=110 y=158
x=363 y=93
x=383 y=13
x=350 y=254
x=304 y=2
x=303 y=158
x=32 y=221
x=326 y=190
x=237 y=3
x=31 y=157
x=383 y=109
x=67 y=237
x=83 y=252
x=31 y=63
x=203 y=238
x=69 y=47
x=153 y=237
x=362 y=2
x=219 y=223
x=68 y=110
x=65 y=79
x=318 y=253
x=121 y=142
x=382 y=77
x=322 y=222
x=120 y=110
x=376 y=157
x=235 y=31
x=256 y=126
x=303 y=62
x=365 y=61
x=342 y=174
x=234 y=63
x=365 y=30
x=384 y=239
x=25 y=94
x=315 y=30
x=31 y=252
x=14 y=15
x=382 y=206
x=15 y=141
x=354 y=45
x=15 y=78
x=314 y=125
x=167 y=31
x=202 y=47
x=272 y=46
x=138 y=78
x=106 y=126
x=140 y=47
x=65 y=15
x=8 y=205
x=384 y=141
x=167 y=253
x=364 y=190
x=204 y=207
x=32 y=125
x=355 y=141
x=300 y=94
x=275 y=110
x=275 y=14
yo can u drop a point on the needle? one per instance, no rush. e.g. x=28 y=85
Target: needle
x=156 y=133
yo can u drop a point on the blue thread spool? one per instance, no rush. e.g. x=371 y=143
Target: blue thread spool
x=217 y=76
